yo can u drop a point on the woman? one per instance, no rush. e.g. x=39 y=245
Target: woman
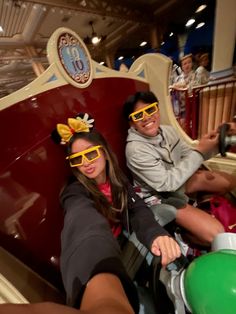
x=202 y=75
x=98 y=205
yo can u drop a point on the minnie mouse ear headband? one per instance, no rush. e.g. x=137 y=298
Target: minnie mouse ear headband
x=81 y=123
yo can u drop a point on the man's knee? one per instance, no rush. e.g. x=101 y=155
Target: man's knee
x=214 y=231
x=198 y=181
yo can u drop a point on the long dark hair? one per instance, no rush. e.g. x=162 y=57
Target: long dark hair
x=116 y=177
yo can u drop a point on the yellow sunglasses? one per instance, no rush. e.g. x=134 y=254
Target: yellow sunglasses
x=89 y=155
x=148 y=110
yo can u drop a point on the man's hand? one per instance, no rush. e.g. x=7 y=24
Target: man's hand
x=232 y=128
x=208 y=143
x=167 y=247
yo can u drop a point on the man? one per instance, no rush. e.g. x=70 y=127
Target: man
x=166 y=170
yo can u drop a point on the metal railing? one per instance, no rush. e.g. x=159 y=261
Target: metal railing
x=205 y=107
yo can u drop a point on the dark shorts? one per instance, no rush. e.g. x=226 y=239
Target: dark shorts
x=165 y=209
x=178 y=199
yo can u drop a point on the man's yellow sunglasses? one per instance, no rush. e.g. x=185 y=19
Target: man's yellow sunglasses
x=89 y=155
x=148 y=110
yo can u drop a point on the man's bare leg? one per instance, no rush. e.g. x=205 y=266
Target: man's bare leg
x=202 y=226
x=210 y=181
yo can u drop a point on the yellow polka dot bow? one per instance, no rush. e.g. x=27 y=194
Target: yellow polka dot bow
x=74 y=126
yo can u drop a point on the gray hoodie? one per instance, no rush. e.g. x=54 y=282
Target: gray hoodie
x=162 y=163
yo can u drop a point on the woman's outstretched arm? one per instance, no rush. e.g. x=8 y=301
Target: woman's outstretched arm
x=104 y=294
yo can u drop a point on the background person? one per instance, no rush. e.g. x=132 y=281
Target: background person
x=176 y=71
x=182 y=88
x=187 y=77
x=163 y=166
x=202 y=75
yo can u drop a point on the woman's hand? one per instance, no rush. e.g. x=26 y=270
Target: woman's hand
x=179 y=87
x=167 y=247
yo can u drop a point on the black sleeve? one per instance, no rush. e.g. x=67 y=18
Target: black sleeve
x=88 y=247
x=142 y=219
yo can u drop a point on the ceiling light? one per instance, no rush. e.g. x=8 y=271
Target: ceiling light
x=200 y=25
x=171 y=34
x=121 y=58
x=162 y=43
x=95 y=39
x=190 y=22
x=143 y=43
x=102 y=62
x=201 y=8
x=83 y=3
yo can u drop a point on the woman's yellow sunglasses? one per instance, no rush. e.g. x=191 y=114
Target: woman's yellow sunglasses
x=89 y=155
x=148 y=110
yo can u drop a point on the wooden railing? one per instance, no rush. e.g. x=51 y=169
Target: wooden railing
x=206 y=106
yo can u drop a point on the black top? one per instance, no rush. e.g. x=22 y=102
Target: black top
x=88 y=246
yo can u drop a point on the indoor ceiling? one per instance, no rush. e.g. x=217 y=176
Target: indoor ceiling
x=123 y=25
